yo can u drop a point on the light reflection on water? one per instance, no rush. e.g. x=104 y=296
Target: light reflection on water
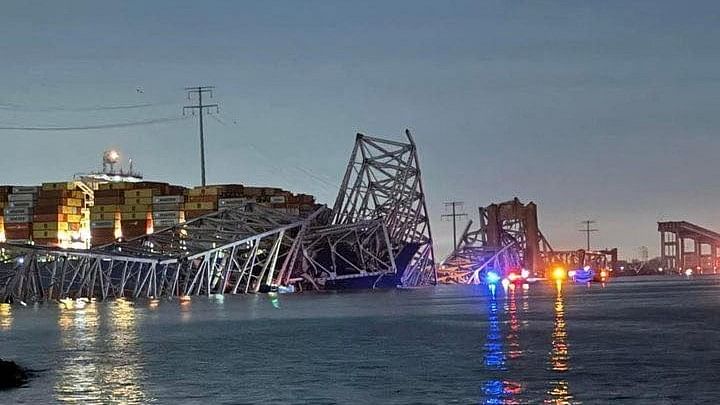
x=6 y=317
x=500 y=390
x=452 y=344
x=102 y=361
x=559 y=361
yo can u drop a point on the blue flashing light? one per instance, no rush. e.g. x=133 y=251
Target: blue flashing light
x=492 y=277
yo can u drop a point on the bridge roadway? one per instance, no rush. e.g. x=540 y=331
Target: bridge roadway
x=677 y=236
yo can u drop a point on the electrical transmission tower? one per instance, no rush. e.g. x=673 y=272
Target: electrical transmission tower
x=200 y=107
x=453 y=216
x=587 y=230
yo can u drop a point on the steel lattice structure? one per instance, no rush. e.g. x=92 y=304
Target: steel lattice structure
x=378 y=227
x=383 y=181
x=235 y=250
x=508 y=238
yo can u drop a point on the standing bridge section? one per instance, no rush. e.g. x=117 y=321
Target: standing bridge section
x=508 y=238
x=684 y=245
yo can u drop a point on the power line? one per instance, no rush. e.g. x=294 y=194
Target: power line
x=454 y=215
x=587 y=230
x=200 y=107
x=329 y=186
x=21 y=107
x=91 y=127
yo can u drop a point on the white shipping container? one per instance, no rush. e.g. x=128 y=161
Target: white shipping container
x=290 y=211
x=18 y=211
x=227 y=202
x=168 y=207
x=168 y=199
x=102 y=224
x=166 y=215
x=21 y=197
x=165 y=223
x=25 y=189
x=277 y=199
x=21 y=204
x=17 y=219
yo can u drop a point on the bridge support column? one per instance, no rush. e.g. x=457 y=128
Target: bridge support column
x=713 y=257
x=681 y=254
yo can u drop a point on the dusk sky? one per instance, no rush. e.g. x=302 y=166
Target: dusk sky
x=606 y=110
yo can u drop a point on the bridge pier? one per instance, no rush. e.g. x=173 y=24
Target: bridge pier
x=673 y=254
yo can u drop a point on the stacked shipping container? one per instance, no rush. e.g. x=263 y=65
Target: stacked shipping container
x=4 y=191
x=18 y=214
x=58 y=214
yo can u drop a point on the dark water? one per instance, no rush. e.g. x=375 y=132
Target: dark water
x=642 y=340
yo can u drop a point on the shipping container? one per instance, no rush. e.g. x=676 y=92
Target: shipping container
x=51 y=234
x=192 y=214
x=168 y=199
x=20 y=204
x=105 y=208
x=17 y=219
x=133 y=216
x=22 y=197
x=25 y=189
x=17 y=238
x=57 y=209
x=202 y=198
x=109 y=200
x=115 y=186
x=63 y=185
x=19 y=226
x=165 y=223
x=69 y=202
x=138 y=201
x=74 y=218
x=51 y=218
x=227 y=202
x=253 y=191
x=18 y=211
x=168 y=207
x=109 y=193
x=136 y=208
x=57 y=226
x=204 y=191
x=141 y=193
x=61 y=194
x=200 y=206
x=166 y=214
x=102 y=224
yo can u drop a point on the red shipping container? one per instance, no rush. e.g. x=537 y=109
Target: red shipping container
x=197 y=213
x=49 y=217
x=25 y=226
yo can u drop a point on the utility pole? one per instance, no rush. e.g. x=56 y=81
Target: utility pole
x=587 y=230
x=200 y=107
x=454 y=215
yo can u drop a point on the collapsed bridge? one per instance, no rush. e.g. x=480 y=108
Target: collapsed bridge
x=508 y=238
x=377 y=233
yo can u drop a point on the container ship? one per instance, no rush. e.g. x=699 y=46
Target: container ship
x=114 y=204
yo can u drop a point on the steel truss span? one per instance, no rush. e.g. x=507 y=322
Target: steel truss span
x=378 y=227
x=236 y=250
x=383 y=182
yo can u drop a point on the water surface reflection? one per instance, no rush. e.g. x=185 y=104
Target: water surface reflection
x=559 y=361
x=101 y=354
x=499 y=390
